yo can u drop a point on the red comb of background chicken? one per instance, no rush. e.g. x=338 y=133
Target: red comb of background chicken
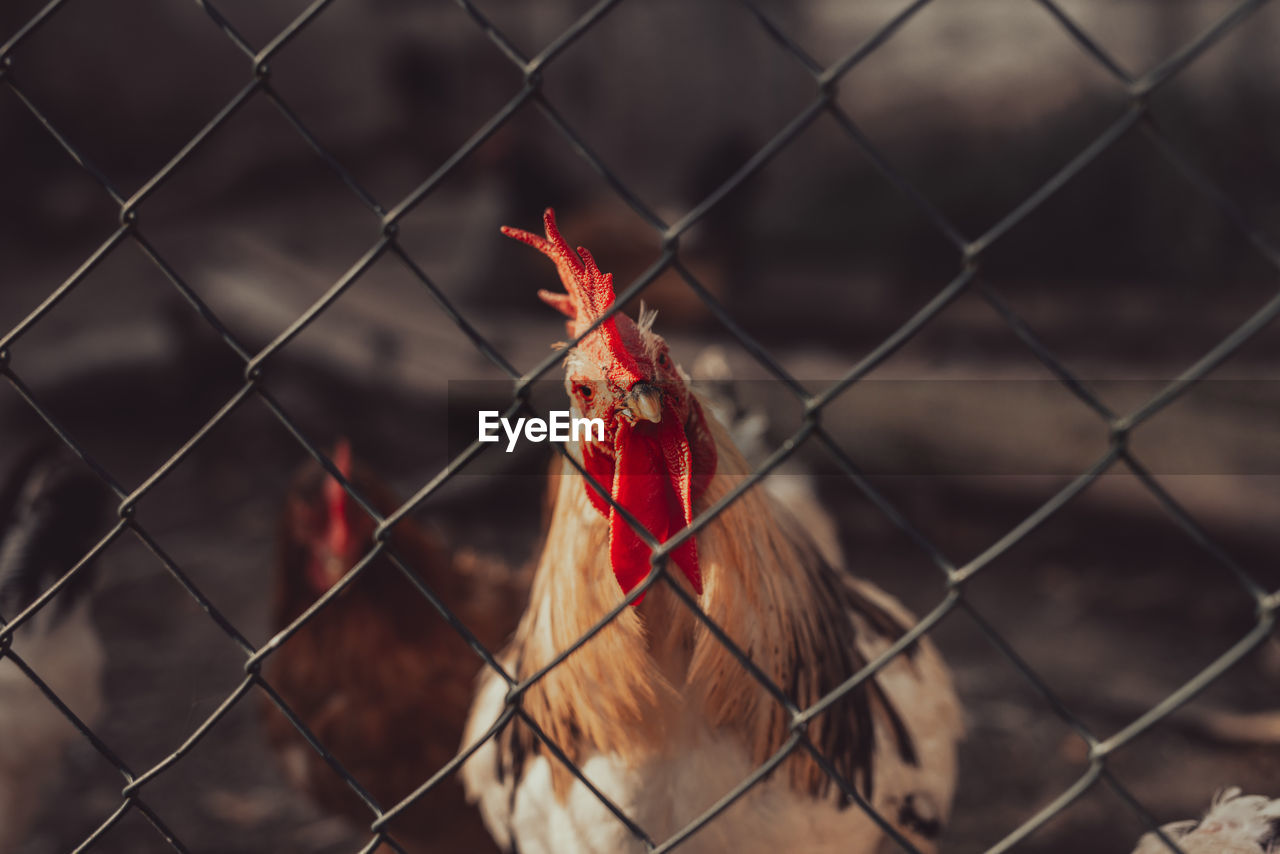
x=336 y=499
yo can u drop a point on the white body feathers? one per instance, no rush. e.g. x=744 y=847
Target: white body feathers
x=1235 y=824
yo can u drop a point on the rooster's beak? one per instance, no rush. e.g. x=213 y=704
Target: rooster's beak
x=644 y=403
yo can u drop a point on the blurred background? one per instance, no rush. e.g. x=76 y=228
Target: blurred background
x=1128 y=275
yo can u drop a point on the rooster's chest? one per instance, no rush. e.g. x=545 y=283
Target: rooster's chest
x=669 y=795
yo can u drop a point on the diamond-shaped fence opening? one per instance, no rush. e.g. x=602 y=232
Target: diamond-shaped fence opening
x=729 y=160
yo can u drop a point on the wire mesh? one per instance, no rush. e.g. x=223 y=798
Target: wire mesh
x=1136 y=116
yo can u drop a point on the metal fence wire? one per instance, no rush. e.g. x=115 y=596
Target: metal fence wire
x=1135 y=117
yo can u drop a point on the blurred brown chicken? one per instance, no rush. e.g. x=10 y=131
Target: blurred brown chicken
x=377 y=676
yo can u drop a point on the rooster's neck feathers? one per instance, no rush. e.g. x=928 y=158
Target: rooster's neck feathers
x=628 y=689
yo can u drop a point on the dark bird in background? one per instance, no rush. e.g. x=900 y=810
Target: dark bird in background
x=379 y=679
x=52 y=512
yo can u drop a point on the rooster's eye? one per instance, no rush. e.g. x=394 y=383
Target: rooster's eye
x=662 y=359
x=584 y=391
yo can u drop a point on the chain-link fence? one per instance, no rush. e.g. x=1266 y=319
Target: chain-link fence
x=1134 y=118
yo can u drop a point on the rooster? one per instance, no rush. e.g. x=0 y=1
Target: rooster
x=52 y=511
x=378 y=678
x=1235 y=824
x=656 y=712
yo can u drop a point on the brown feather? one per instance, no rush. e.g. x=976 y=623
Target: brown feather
x=378 y=677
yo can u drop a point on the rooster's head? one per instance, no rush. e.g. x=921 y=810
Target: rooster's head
x=657 y=455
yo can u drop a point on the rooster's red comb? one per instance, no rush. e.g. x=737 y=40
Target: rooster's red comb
x=588 y=295
x=588 y=292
